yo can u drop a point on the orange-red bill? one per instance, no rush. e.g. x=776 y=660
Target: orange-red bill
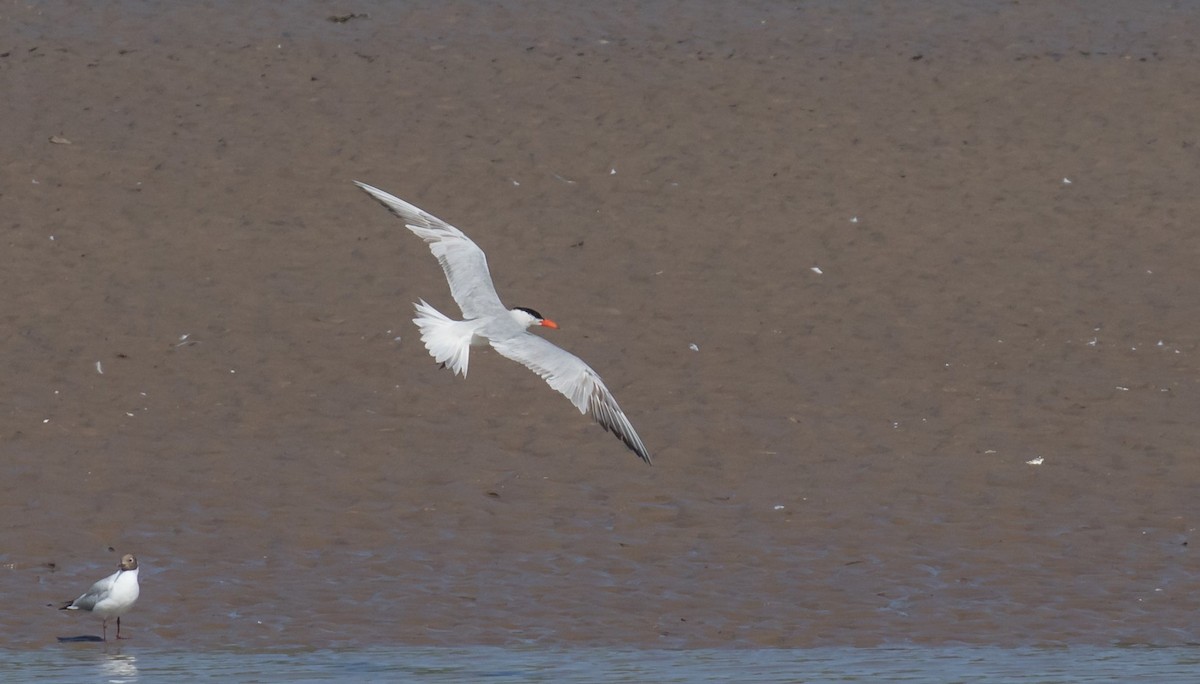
x=549 y=324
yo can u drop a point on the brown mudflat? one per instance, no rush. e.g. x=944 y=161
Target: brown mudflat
x=200 y=318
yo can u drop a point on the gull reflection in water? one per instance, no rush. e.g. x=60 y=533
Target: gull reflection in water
x=119 y=668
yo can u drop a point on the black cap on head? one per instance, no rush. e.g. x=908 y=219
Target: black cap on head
x=529 y=311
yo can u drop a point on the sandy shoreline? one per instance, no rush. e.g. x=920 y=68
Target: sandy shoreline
x=999 y=204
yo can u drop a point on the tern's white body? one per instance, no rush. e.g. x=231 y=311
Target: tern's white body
x=112 y=596
x=488 y=321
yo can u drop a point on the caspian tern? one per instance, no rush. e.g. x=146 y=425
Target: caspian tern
x=488 y=321
x=112 y=596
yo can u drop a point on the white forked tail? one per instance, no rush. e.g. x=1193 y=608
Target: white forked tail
x=448 y=341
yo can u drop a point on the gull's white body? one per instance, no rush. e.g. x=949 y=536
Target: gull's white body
x=112 y=596
x=488 y=322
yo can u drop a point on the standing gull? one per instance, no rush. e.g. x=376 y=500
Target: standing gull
x=112 y=596
x=488 y=321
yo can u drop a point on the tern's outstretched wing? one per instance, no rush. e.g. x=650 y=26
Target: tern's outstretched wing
x=462 y=260
x=568 y=374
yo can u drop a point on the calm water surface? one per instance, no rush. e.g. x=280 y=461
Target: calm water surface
x=909 y=664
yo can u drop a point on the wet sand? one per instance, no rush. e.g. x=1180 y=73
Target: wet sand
x=208 y=360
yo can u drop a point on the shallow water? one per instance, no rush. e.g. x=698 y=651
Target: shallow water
x=949 y=664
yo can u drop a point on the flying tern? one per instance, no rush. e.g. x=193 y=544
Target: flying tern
x=486 y=321
x=112 y=596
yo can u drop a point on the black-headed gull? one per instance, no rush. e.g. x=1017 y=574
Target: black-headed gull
x=112 y=596
x=488 y=321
